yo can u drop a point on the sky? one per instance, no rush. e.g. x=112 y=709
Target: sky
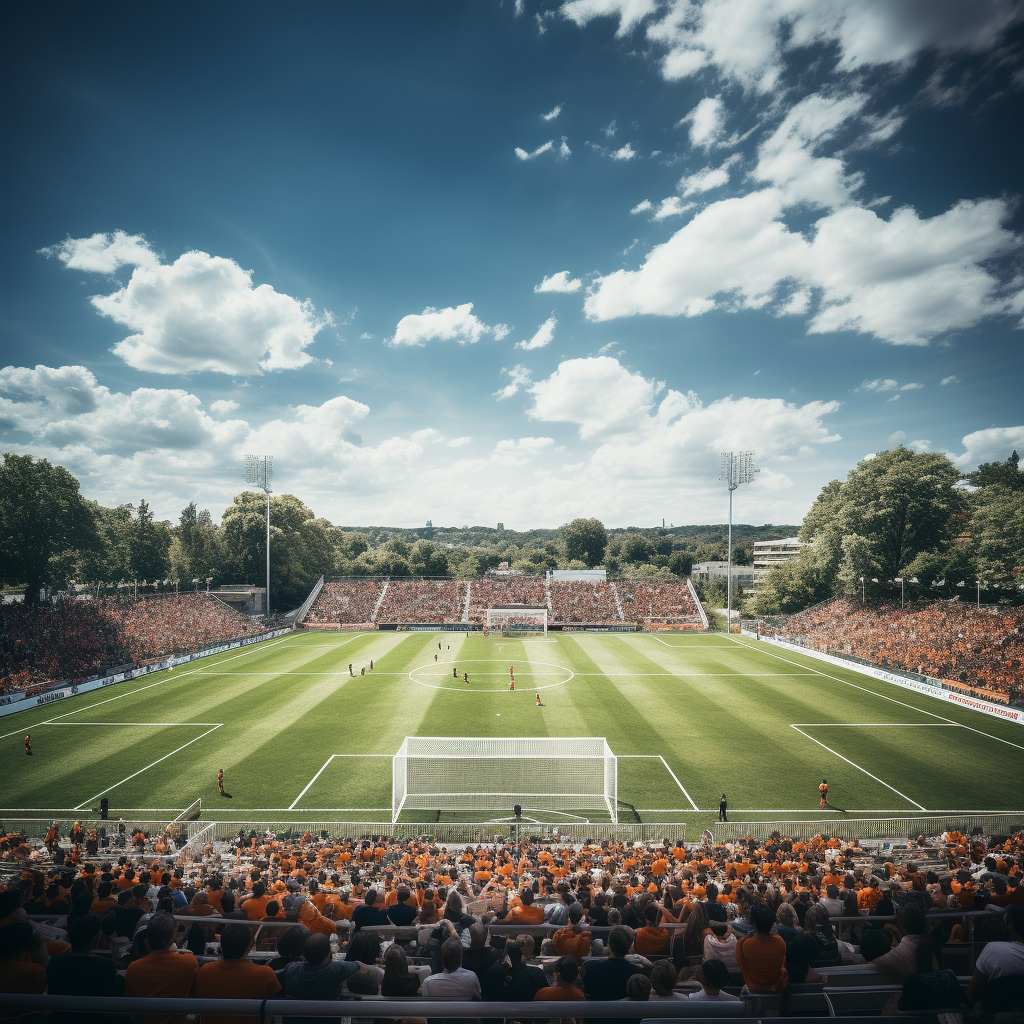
x=519 y=262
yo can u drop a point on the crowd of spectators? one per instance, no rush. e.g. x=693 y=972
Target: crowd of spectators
x=350 y=601
x=978 y=649
x=582 y=601
x=666 y=602
x=489 y=593
x=306 y=917
x=72 y=639
x=423 y=601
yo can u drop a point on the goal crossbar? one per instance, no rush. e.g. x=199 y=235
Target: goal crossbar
x=493 y=773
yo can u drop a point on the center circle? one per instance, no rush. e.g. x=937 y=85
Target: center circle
x=527 y=679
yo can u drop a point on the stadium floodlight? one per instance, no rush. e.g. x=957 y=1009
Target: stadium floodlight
x=862 y=597
x=259 y=472
x=737 y=468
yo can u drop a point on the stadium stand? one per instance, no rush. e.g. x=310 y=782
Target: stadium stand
x=73 y=639
x=669 y=602
x=781 y=924
x=488 y=593
x=351 y=601
x=423 y=601
x=581 y=601
x=982 y=651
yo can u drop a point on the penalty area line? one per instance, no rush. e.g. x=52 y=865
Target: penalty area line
x=291 y=807
x=675 y=778
x=858 y=767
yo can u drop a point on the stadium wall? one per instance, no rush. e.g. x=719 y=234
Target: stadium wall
x=949 y=696
x=74 y=689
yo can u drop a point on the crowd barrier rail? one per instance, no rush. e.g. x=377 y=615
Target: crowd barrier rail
x=262 y=1009
x=1001 y=823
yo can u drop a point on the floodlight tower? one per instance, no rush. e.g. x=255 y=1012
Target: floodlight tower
x=737 y=468
x=258 y=472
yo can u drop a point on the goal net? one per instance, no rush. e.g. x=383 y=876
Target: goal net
x=517 y=620
x=443 y=773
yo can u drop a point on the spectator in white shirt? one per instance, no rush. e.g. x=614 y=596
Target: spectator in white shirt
x=1000 y=959
x=454 y=981
x=721 y=945
x=713 y=977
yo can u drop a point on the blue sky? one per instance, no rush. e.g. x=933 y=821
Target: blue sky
x=518 y=262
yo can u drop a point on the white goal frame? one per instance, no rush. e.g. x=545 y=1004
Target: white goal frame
x=517 y=620
x=447 y=773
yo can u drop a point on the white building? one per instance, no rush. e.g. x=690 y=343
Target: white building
x=771 y=552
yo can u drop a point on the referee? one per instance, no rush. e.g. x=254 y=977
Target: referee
x=723 y=806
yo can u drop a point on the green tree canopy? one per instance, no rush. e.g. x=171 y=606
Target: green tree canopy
x=585 y=541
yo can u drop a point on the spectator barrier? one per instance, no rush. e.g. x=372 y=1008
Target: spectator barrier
x=886 y=675
x=308 y=603
x=871 y=828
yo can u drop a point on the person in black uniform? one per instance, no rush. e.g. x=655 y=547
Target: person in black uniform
x=723 y=806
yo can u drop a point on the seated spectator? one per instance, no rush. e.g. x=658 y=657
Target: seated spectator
x=801 y=948
x=573 y=941
x=651 y=940
x=315 y=976
x=663 y=982
x=512 y=980
x=915 y=952
x=762 y=956
x=479 y=958
x=370 y=913
x=402 y=912
x=21 y=951
x=1000 y=959
x=290 y=943
x=638 y=989
x=163 y=971
x=606 y=979
x=713 y=976
x=564 y=989
x=721 y=945
x=526 y=912
x=234 y=977
x=79 y=974
x=398 y=979
x=454 y=981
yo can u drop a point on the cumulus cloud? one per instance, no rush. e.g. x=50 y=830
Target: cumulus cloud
x=993 y=444
x=223 y=406
x=706 y=121
x=673 y=206
x=546 y=148
x=429 y=435
x=643 y=206
x=200 y=312
x=552 y=114
x=453 y=323
x=904 y=280
x=560 y=282
x=626 y=152
x=951 y=379
x=519 y=452
x=707 y=178
x=563 y=149
x=458 y=442
x=748 y=43
x=629 y=12
x=543 y=335
x=519 y=376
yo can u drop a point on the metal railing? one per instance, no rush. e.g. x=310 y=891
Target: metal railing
x=303 y=611
x=870 y=828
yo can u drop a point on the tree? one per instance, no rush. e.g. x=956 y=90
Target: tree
x=637 y=548
x=42 y=516
x=1002 y=474
x=148 y=545
x=585 y=541
x=997 y=535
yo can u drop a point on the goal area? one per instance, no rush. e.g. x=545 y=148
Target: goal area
x=446 y=773
x=517 y=620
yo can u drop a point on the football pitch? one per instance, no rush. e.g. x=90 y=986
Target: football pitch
x=688 y=716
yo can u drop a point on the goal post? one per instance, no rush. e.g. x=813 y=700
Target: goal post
x=517 y=620
x=445 y=773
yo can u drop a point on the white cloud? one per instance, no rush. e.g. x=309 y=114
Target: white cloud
x=546 y=148
x=796 y=305
x=103 y=253
x=563 y=149
x=560 y=282
x=895 y=398
x=911 y=387
x=627 y=152
x=200 y=312
x=643 y=206
x=904 y=280
x=880 y=384
x=501 y=331
x=610 y=129
x=223 y=406
x=429 y=435
x=629 y=12
x=543 y=336
x=994 y=444
x=552 y=114
x=518 y=8
x=921 y=445
x=897 y=438
x=951 y=379
x=453 y=323
x=786 y=158
x=458 y=442
x=748 y=42
x=706 y=121
x=519 y=376
x=519 y=453
x=672 y=206
x=707 y=178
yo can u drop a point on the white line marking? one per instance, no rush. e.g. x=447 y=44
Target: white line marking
x=317 y=776
x=858 y=767
x=669 y=770
x=141 y=770
x=311 y=781
x=877 y=725
x=136 y=723
x=758 y=650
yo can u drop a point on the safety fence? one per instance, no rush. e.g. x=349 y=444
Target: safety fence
x=447 y=832
x=36 y=828
x=300 y=615
x=871 y=828
x=193 y=811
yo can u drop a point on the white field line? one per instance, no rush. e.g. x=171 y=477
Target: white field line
x=877 y=725
x=858 y=767
x=317 y=776
x=669 y=770
x=148 y=766
x=758 y=650
x=254 y=649
x=136 y=723
x=683 y=647
x=11 y=811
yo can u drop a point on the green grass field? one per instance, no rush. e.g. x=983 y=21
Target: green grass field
x=689 y=716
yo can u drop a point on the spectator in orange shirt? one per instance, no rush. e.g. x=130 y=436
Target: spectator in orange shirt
x=164 y=972
x=255 y=906
x=234 y=977
x=762 y=956
x=526 y=913
x=22 y=960
x=573 y=941
x=651 y=940
x=564 y=988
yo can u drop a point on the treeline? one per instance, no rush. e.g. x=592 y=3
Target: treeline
x=910 y=516
x=52 y=537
